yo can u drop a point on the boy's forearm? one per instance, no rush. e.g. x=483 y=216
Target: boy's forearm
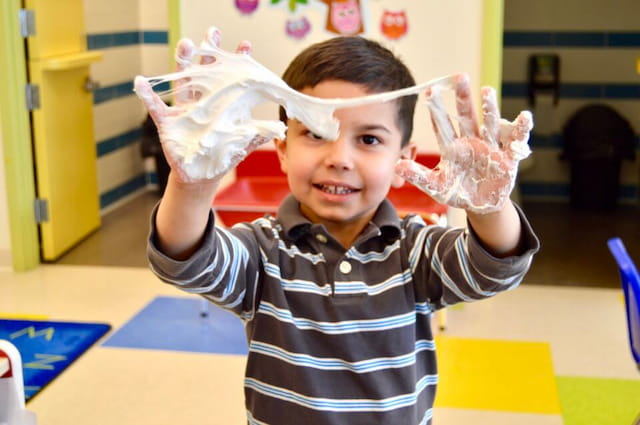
x=500 y=232
x=182 y=216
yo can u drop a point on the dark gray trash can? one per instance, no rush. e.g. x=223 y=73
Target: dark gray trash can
x=596 y=139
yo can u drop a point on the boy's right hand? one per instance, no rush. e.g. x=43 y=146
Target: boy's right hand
x=479 y=164
x=174 y=124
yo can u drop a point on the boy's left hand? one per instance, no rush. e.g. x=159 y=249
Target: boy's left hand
x=479 y=165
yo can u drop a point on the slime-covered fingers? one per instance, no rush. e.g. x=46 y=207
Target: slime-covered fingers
x=442 y=125
x=467 y=117
x=478 y=169
x=244 y=47
x=490 y=116
x=518 y=138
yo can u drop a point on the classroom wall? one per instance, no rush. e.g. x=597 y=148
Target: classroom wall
x=598 y=48
x=5 y=236
x=133 y=38
x=443 y=38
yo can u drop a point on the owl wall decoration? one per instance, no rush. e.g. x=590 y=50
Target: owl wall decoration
x=394 y=25
x=246 y=7
x=344 y=17
x=298 y=28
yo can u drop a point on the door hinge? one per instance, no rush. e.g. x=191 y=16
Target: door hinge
x=41 y=209
x=27 y=22
x=32 y=93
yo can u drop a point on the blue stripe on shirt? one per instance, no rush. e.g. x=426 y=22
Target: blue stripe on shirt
x=351 y=326
x=343 y=405
x=363 y=366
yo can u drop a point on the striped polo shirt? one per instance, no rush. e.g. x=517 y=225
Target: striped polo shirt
x=340 y=336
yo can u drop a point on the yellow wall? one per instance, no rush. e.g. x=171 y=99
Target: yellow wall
x=5 y=240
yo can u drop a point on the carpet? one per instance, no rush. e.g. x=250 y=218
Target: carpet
x=602 y=401
x=47 y=348
x=499 y=375
x=177 y=324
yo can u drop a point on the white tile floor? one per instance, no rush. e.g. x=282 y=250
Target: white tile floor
x=584 y=327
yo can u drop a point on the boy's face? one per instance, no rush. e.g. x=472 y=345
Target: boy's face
x=341 y=182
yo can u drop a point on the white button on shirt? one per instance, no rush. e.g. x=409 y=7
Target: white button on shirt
x=345 y=267
x=321 y=238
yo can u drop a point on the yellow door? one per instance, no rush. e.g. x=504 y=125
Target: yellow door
x=63 y=140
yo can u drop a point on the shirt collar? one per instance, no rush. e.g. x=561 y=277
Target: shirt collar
x=296 y=225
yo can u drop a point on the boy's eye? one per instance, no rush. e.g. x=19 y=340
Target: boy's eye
x=313 y=136
x=370 y=140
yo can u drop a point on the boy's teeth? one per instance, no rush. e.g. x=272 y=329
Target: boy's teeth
x=337 y=190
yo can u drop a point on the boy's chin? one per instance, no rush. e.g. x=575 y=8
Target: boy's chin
x=337 y=217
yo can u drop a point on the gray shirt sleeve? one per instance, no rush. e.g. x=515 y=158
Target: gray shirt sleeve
x=450 y=265
x=224 y=269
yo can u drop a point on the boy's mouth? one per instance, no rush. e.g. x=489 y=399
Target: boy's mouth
x=335 y=189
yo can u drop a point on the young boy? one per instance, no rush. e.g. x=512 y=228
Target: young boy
x=336 y=291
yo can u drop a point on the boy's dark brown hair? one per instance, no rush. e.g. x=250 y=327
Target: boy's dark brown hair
x=356 y=60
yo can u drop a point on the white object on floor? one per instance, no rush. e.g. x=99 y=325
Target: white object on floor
x=12 y=408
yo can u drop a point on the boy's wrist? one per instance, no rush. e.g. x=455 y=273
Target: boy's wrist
x=500 y=232
x=201 y=189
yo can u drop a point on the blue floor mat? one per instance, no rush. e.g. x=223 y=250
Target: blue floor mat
x=177 y=324
x=47 y=348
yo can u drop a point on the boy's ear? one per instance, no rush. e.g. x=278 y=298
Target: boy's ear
x=408 y=152
x=281 y=150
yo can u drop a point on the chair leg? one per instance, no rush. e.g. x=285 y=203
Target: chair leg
x=204 y=308
x=442 y=319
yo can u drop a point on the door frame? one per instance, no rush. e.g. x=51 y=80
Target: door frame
x=492 y=36
x=16 y=141
x=175 y=29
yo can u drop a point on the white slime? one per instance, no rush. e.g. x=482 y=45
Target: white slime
x=217 y=124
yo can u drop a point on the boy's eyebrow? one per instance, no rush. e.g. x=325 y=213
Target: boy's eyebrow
x=359 y=128
x=373 y=127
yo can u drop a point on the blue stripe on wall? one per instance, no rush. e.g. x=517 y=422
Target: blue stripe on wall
x=555 y=141
x=155 y=37
x=582 y=91
x=104 y=94
x=571 y=39
x=579 y=90
x=545 y=141
x=551 y=190
x=561 y=191
x=631 y=39
x=117 y=39
x=629 y=192
x=126 y=38
x=522 y=39
x=114 y=143
x=622 y=91
x=115 y=194
x=152 y=177
x=513 y=89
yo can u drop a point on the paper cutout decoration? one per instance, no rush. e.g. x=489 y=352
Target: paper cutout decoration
x=293 y=4
x=246 y=7
x=298 y=28
x=394 y=25
x=344 y=17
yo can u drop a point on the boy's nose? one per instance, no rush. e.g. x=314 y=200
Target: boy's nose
x=339 y=154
